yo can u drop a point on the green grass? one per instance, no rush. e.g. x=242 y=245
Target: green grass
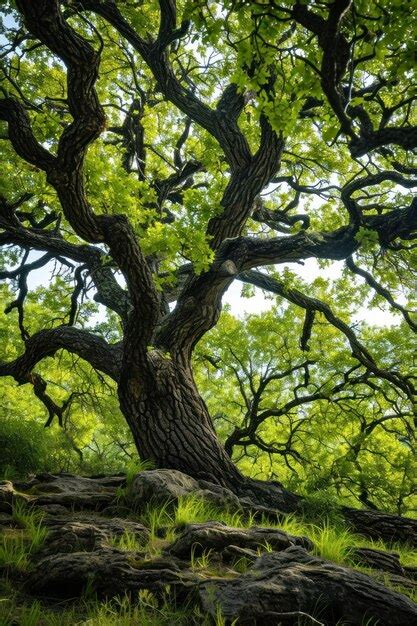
x=14 y=551
x=193 y=509
x=17 y=545
x=203 y=561
x=333 y=544
x=332 y=541
x=144 y=610
x=158 y=518
x=128 y=542
x=30 y=520
x=134 y=467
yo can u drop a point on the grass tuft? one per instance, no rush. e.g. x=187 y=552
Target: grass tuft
x=127 y=542
x=17 y=545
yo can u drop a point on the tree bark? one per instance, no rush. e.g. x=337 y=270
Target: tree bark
x=170 y=422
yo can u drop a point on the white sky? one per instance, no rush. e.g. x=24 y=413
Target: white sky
x=309 y=271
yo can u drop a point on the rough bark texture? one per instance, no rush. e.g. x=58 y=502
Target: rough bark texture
x=380 y=525
x=171 y=424
x=108 y=572
x=84 y=534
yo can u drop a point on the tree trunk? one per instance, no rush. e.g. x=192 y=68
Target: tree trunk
x=170 y=422
x=172 y=427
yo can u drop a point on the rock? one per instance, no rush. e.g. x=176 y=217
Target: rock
x=116 y=511
x=218 y=496
x=293 y=581
x=75 y=535
x=379 y=559
x=410 y=572
x=234 y=553
x=6 y=496
x=270 y=495
x=75 y=492
x=161 y=486
x=378 y=525
x=258 y=511
x=105 y=572
x=6 y=520
x=53 y=509
x=215 y=536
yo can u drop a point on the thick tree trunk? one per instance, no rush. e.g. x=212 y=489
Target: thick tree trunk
x=172 y=427
x=170 y=422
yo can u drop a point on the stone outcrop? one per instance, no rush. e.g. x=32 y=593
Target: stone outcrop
x=215 y=536
x=280 y=586
x=282 y=582
x=89 y=534
x=73 y=492
x=105 y=572
x=161 y=486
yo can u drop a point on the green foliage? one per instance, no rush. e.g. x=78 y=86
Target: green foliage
x=127 y=542
x=195 y=509
x=330 y=449
x=24 y=446
x=157 y=517
x=331 y=543
x=134 y=467
x=118 y=612
x=321 y=506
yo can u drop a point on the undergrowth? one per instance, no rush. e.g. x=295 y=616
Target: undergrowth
x=18 y=544
x=143 y=610
x=332 y=540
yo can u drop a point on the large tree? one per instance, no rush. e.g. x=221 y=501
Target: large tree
x=160 y=151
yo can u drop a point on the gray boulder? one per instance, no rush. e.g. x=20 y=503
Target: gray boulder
x=161 y=486
x=75 y=535
x=215 y=536
x=282 y=586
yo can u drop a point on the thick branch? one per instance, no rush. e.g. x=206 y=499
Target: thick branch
x=92 y=348
x=248 y=252
x=22 y=136
x=109 y=291
x=336 y=53
x=45 y=21
x=404 y=137
x=217 y=122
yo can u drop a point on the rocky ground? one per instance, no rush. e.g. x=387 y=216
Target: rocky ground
x=65 y=537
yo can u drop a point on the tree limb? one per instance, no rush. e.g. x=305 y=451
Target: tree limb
x=92 y=348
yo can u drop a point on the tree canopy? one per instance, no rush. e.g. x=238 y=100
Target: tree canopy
x=155 y=152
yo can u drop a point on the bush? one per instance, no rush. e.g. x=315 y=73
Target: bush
x=321 y=506
x=24 y=447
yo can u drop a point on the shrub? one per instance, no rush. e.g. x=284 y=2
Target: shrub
x=24 y=447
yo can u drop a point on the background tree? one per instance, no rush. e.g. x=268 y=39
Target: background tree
x=157 y=153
